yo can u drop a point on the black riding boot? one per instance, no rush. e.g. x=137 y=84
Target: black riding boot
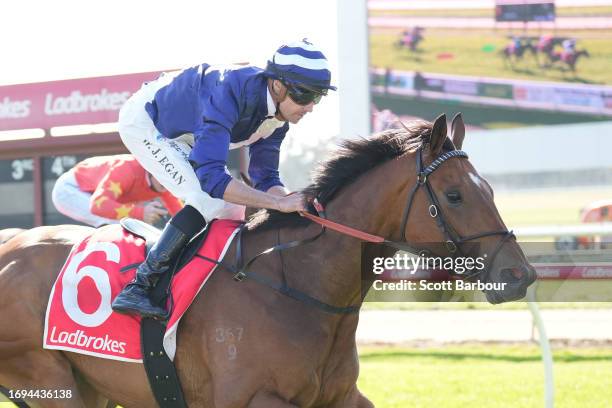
x=134 y=299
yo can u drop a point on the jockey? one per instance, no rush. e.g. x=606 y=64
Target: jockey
x=181 y=126
x=569 y=46
x=406 y=37
x=544 y=41
x=102 y=190
x=516 y=43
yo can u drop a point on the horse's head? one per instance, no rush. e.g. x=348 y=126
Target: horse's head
x=413 y=187
x=462 y=214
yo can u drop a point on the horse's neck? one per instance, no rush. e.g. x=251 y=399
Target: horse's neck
x=370 y=204
x=373 y=203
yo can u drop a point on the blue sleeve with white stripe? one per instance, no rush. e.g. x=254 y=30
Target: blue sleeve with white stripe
x=264 y=160
x=212 y=140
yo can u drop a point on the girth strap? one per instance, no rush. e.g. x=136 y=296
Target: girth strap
x=300 y=296
x=160 y=370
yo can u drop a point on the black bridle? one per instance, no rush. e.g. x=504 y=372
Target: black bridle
x=452 y=240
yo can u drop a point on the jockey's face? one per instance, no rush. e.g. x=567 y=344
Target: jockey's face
x=288 y=110
x=292 y=112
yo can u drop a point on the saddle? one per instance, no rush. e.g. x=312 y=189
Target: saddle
x=145 y=231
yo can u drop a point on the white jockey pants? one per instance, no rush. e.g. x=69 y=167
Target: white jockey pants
x=168 y=159
x=74 y=203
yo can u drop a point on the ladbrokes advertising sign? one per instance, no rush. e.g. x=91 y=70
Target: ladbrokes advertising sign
x=70 y=102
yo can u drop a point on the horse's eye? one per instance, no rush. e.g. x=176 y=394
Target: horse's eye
x=454 y=197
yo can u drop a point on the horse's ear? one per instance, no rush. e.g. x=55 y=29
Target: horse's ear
x=438 y=135
x=458 y=131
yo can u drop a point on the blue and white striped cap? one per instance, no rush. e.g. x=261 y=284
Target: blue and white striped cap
x=301 y=63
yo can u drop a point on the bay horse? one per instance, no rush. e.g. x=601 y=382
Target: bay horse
x=545 y=49
x=569 y=59
x=513 y=54
x=242 y=344
x=410 y=39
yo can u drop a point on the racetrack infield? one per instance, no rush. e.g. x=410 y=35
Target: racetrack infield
x=547 y=205
x=476 y=52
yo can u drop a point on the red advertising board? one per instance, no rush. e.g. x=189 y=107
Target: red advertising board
x=69 y=102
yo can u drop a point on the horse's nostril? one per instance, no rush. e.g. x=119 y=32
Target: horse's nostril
x=518 y=273
x=513 y=274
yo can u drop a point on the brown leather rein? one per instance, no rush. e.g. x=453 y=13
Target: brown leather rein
x=343 y=229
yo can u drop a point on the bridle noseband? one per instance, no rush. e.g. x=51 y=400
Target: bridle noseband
x=452 y=240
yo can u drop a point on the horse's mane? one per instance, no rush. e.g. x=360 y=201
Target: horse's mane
x=346 y=163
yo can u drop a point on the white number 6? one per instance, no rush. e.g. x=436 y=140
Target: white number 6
x=72 y=277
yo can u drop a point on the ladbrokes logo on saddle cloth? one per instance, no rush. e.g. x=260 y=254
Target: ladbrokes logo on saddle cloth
x=79 y=315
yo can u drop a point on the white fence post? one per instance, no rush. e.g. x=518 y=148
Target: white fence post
x=547 y=358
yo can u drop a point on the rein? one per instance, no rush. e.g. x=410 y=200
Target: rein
x=352 y=232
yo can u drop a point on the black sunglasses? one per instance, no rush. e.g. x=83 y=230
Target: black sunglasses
x=303 y=96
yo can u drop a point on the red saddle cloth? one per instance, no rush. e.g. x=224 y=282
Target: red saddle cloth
x=79 y=316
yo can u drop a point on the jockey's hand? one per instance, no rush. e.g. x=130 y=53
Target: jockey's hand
x=292 y=202
x=239 y=193
x=153 y=211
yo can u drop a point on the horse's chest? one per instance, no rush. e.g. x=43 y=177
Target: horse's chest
x=315 y=378
x=302 y=359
